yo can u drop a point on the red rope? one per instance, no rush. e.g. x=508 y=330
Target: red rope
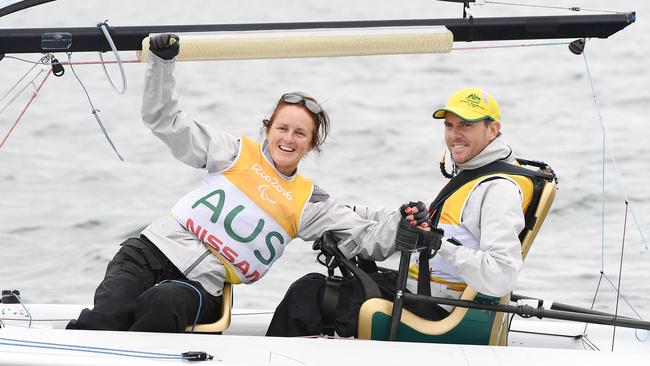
x=99 y=62
x=25 y=108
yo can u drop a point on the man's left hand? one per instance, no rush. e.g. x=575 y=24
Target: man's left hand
x=410 y=237
x=415 y=213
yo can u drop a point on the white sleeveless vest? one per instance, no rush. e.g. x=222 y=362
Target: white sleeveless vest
x=450 y=221
x=245 y=214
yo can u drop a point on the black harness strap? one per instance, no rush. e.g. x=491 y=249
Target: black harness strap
x=464 y=177
x=467 y=176
x=330 y=303
x=333 y=259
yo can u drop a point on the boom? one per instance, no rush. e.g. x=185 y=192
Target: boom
x=38 y=40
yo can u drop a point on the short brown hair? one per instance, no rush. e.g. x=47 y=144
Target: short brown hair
x=321 y=120
x=487 y=122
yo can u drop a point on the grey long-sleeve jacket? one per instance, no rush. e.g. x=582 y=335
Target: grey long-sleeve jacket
x=494 y=217
x=203 y=147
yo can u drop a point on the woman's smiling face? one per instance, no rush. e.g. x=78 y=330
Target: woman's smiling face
x=290 y=136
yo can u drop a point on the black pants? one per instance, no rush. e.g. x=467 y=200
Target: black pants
x=129 y=299
x=299 y=312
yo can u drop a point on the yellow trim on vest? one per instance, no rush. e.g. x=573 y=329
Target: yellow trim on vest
x=231 y=275
x=282 y=199
x=453 y=206
x=455 y=286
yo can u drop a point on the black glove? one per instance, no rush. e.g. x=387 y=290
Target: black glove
x=165 y=45
x=421 y=216
x=330 y=253
x=411 y=237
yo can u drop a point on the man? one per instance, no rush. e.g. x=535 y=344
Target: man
x=484 y=216
x=481 y=223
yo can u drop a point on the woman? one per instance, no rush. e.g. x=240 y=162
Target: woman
x=234 y=226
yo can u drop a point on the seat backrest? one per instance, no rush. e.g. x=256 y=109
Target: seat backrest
x=547 y=195
x=226 y=314
x=545 y=198
x=462 y=325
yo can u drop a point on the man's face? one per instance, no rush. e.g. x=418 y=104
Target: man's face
x=465 y=140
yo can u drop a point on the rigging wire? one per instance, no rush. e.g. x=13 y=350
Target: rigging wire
x=198 y=311
x=603 y=200
x=625 y=299
x=17 y=296
x=593 y=301
x=95 y=111
x=28 y=61
x=22 y=113
x=586 y=341
x=582 y=337
x=100 y=62
x=18 y=82
x=45 y=62
x=191 y=356
x=607 y=148
x=104 y=28
x=510 y=46
x=572 y=8
x=21 y=91
x=634 y=310
x=620 y=275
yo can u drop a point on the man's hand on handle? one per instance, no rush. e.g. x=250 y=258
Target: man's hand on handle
x=416 y=214
x=415 y=230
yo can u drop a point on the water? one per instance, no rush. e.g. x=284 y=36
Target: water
x=67 y=201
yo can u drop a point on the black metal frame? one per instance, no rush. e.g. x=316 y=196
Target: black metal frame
x=21 y=6
x=327 y=244
x=86 y=39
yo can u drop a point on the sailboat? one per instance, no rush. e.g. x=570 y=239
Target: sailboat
x=31 y=333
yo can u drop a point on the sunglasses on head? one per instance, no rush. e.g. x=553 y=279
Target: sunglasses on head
x=311 y=105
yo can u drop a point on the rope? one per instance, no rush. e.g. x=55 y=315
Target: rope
x=603 y=198
x=47 y=61
x=23 y=305
x=104 y=28
x=198 y=311
x=586 y=341
x=95 y=111
x=510 y=46
x=620 y=275
x=572 y=8
x=18 y=82
x=593 y=301
x=191 y=356
x=77 y=348
x=607 y=148
x=22 y=113
x=638 y=315
x=100 y=62
x=20 y=92
x=43 y=62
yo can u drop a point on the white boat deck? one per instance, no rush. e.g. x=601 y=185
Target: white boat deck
x=251 y=349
